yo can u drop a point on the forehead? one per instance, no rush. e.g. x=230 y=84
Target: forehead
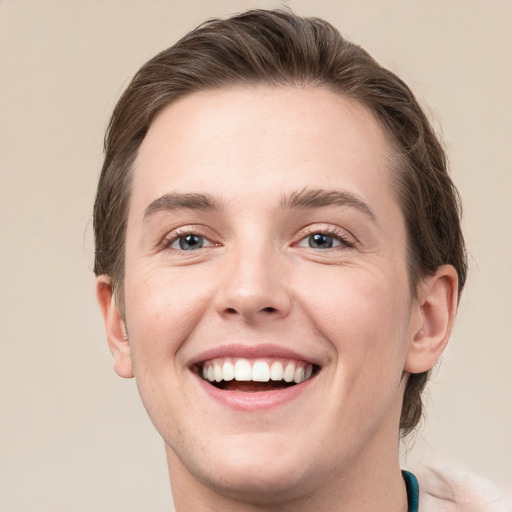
x=264 y=139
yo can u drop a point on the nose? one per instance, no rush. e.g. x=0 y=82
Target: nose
x=254 y=287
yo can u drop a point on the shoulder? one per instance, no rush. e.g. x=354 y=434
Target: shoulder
x=452 y=490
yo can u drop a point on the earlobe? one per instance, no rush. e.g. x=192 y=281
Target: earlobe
x=115 y=328
x=435 y=312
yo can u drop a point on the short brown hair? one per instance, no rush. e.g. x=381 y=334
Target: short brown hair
x=280 y=48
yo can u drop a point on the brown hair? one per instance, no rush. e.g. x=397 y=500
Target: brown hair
x=280 y=48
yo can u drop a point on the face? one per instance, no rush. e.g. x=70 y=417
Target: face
x=267 y=300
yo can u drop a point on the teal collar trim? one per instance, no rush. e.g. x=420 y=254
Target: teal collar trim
x=413 y=490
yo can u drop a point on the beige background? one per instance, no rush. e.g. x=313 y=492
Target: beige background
x=73 y=436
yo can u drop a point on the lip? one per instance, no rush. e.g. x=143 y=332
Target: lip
x=252 y=352
x=252 y=401
x=257 y=401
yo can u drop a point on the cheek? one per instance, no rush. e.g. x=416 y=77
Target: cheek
x=362 y=316
x=161 y=313
x=362 y=312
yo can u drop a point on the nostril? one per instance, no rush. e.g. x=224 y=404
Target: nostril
x=250 y=312
x=269 y=309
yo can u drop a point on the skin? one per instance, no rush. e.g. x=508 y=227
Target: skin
x=257 y=281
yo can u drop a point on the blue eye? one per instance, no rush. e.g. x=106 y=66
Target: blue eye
x=190 y=242
x=321 y=241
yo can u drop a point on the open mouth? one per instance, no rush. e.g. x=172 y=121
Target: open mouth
x=255 y=375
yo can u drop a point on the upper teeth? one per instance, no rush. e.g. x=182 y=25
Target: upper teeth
x=258 y=370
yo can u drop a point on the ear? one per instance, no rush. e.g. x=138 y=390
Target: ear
x=436 y=306
x=115 y=327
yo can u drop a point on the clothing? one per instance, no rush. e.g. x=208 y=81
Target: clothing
x=411 y=485
x=451 y=490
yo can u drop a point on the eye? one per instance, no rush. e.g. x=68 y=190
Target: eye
x=189 y=242
x=323 y=240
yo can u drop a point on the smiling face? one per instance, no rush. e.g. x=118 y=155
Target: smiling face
x=267 y=299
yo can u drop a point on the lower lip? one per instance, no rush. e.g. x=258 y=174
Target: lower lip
x=254 y=401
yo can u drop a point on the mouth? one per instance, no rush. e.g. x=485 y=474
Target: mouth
x=254 y=375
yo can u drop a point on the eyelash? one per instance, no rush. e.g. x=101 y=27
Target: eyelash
x=182 y=233
x=346 y=241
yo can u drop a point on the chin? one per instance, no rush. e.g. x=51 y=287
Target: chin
x=262 y=483
x=261 y=471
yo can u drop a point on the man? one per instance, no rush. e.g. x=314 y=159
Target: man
x=279 y=260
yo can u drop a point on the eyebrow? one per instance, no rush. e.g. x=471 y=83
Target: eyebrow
x=305 y=198
x=176 y=200
x=318 y=198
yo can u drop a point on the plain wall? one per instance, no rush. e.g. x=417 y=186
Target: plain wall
x=73 y=435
